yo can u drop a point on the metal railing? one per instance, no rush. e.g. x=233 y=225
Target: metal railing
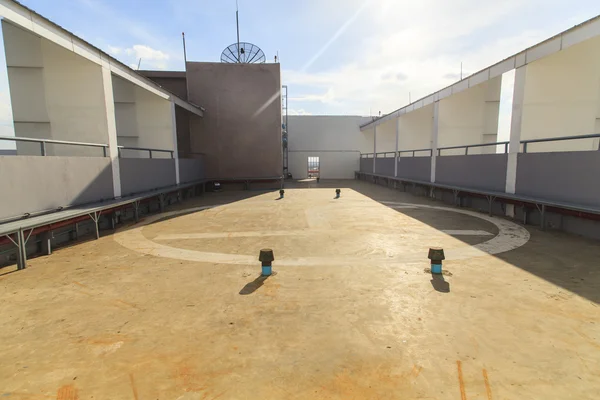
x=43 y=142
x=385 y=154
x=413 y=152
x=149 y=150
x=468 y=146
x=558 y=139
x=392 y=154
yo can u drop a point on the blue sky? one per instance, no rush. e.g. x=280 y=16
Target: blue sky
x=337 y=56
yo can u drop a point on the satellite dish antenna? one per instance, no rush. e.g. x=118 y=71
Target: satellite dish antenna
x=242 y=52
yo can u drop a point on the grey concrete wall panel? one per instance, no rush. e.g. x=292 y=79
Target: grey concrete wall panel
x=366 y=165
x=123 y=90
x=125 y=118
x=191 y=169
x=562 y=176
x=31 y=183
x=143 y=174
x=241 y=129
x=579 y=226
x=385 y=166
x=417 y=168
x=481 y=171
x=328 y=132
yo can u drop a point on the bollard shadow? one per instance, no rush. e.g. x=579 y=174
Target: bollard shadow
x=439 y=283
x=279 y=198
x=253 y=286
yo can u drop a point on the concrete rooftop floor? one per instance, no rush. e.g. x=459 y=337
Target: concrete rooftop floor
x=173 y=308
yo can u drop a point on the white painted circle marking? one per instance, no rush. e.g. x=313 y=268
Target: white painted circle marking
x=510 y=237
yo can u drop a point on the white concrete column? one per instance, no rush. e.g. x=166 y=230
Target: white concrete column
x=515 y=129
x=176 y=151
x=374 y=148
x=397 y=143
x=515 y=135
x=111 y=123
x=434 y=138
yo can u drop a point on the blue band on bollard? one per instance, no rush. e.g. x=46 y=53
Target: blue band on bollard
x=436 y=268
x=266 y=270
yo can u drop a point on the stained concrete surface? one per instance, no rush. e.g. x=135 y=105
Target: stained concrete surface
x=100 y=320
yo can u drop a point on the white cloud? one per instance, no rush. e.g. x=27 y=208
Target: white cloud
x=337 y=34
x=123 y=22
x=414 y=47
x=327 y=97
x=146 y=53
x=128 y=26
x=114 y=50
x=150 y=58
x=300 y=111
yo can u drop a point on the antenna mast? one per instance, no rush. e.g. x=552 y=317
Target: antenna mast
x=184 y=53
x=242 y=52
x=237 y=22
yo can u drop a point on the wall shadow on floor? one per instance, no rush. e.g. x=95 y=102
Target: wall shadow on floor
x=148 y=208
x=185 y=207
x=567 y=261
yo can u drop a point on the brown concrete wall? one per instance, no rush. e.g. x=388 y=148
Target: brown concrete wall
x=239 y=140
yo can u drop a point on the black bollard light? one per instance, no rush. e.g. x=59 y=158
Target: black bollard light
x=436 y=255
x=281 y=193
x=337 y=193
x=266 y=257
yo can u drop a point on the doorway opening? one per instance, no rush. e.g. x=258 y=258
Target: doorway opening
x=314 y=167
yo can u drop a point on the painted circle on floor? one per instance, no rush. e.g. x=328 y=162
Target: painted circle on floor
x=510 y=236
